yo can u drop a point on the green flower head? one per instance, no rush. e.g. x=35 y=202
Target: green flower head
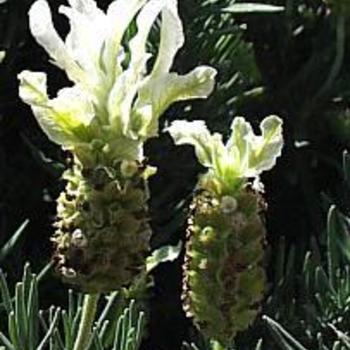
x=245 y=155
x=114 y=97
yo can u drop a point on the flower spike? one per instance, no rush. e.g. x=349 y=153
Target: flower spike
x=224 y=279
x=102 y=228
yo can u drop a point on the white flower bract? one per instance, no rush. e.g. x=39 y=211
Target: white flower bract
x=112 y=91
x=245 y=155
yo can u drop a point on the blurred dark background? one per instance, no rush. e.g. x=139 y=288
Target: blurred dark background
x=292 y=63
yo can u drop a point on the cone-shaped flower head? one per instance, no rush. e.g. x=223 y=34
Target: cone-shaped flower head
x=103 y=119
x=113 y=98
x=224 y=279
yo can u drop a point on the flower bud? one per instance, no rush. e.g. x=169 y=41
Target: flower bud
x=78 y=239
x=228 y=204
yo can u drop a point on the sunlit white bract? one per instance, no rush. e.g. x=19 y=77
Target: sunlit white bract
x=113 y=94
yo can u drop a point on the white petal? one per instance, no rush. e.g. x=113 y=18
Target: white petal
x=119 y=15
x=145 y=20
x=65 y=118
x=126 y=85
x=87 y=33
x=33 y=87
x=197 y=134
x=239 y=145
x=161 y=92
x=87 y=7
x=267 y=147
x=42 y=28
x=75 y=104
x=171 y=40
x=2 y=55
x=125 y=88
x=120 y=101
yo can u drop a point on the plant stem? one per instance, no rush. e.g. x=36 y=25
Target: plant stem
x=87 y=319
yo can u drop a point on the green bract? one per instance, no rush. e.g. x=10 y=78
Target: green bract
x=245 y=155
x=108 y=102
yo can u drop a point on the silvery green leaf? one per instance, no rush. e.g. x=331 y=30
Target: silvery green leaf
x=163 y=254
x=7 y=248
x=2 y=55
x=252 y=7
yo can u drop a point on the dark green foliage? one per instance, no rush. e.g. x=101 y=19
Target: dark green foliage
x=319 y=311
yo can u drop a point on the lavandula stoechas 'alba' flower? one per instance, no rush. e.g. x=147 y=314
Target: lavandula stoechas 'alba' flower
x=104 y=119
x=224 y=279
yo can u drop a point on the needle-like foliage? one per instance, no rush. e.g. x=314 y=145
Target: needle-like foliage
x=119 y=326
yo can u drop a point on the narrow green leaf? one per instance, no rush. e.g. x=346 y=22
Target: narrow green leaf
x=282 y=337
x=10 y=244
x=76 y=321
x=332 y=251
x=111 y=298
x=337 y=345
x=139 y=327
x=118 y=331
x=102 y=332
x=71 y=304
x=124 y=328
x=96 y=340
x=32 y=312
x=68 y=339
x=44 y=271
x=308 y=272
x=13 y=331
x=6 y=342
x=252 y=8
x=21 y=315
x=58 y=343
x=322 y=282
x=341 y=336
x=5 y=293
x=51 y=329
x=259 y=345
